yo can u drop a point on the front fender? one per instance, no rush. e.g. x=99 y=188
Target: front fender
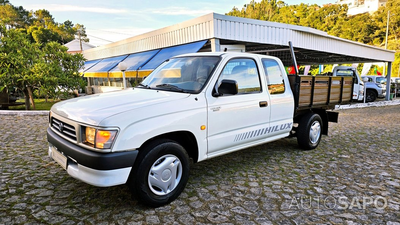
x=151 y=122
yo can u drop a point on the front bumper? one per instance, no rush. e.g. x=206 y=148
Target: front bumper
x=382 y=93
x=95 y=168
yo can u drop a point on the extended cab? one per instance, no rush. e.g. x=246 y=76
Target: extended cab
x=196 y=106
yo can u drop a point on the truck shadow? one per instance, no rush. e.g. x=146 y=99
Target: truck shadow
x=247 y=159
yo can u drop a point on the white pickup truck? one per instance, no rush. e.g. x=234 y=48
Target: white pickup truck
x=196 y=106
x=372 y=89
x=358 y=89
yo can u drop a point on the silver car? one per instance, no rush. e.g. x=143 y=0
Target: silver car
x=375 y=86
x=396 y=85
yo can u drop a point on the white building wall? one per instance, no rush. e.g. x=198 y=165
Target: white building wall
x=362 y=6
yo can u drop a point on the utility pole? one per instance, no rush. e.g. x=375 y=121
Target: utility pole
x=387 y=75
x=387 y=29
x=386 y=41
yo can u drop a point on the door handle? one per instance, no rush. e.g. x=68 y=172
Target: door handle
x=263 y=104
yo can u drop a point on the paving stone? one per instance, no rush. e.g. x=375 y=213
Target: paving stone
x=353 y=177
x=216 y=218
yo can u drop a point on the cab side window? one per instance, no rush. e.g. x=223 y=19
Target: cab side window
x=276 y=83
x=245 y=73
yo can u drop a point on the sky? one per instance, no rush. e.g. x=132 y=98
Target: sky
x=111 y=20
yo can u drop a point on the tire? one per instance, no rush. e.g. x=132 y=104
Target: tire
x=309 y=131
x=370 y=96
x=160 y=174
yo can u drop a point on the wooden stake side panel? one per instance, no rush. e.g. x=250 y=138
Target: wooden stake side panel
x=322 y=87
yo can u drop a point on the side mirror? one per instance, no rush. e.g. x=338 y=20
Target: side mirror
x=227 y=87
x=365 y=79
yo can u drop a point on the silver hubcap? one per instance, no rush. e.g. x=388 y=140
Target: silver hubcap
x=165 y=174
x=315 y=132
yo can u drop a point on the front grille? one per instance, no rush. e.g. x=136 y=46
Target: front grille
x=64 y=128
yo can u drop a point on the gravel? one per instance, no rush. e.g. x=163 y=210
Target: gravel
x=353 y=177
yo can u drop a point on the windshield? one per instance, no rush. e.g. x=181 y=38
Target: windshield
x=381 y=80
x=183 y=74
x=344 y=73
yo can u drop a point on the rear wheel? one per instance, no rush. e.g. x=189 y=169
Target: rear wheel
x=161 y=174
x=309 y=131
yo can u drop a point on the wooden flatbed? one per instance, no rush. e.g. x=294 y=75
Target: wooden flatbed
x=321 y=92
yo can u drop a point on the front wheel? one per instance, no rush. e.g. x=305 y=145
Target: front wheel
x=309 y=131
x=161 y=174
x=371 y=96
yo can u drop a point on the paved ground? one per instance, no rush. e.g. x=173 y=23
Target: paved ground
x=352 y=178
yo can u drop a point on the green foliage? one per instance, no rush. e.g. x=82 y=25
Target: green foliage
x=31 y=66
x=32 y=58
x=42 y=35
x=59 y=70
x=333 y=19
x=396 y=65
x=17 y=55
x=8 y=15
x=40 y=25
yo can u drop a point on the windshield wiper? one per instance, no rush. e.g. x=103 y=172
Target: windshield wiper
x=171 y=87
x=144 y=85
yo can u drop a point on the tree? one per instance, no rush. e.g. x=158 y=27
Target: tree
x=8 y=15
x=286 y=15
x=42 y=35
x=14 y=17
x=380 y=18
x=81 y=34
x=40 y=25
x=43 y=18
x=59 y=70
x=264 y=10
x=27 y=66
x=44 y=29
x=17 y=56
x=333 y=19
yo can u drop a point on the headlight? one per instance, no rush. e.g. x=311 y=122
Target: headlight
x=379 y=85
x=99 y=138
x=90 y=134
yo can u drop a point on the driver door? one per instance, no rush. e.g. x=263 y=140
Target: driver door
x=237 y=121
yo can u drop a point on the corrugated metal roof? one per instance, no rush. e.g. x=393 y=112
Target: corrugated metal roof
x=74 y=46
x=167 y=53
x=143 y=61
x=101 y=68
x=88 y=65
x=312 y=46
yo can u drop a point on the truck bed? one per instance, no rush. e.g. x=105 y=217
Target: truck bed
x=321 y=91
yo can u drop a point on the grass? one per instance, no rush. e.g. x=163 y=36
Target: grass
x=40 y=104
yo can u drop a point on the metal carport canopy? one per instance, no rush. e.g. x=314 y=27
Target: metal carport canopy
x=311 y=46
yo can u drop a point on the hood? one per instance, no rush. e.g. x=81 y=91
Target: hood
x=92 y=109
